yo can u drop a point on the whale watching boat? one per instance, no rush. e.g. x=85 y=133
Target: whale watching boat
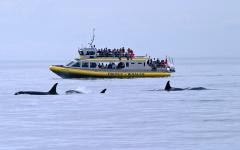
x=113 y=63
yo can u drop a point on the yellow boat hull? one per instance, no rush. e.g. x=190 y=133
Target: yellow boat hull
x=67 y=72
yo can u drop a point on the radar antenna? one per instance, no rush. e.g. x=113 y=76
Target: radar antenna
x=92 y=40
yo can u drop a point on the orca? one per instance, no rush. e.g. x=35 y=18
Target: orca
x=197 y=88
x=169 y=88
x=50 y=92
x=79 y=92
x=73 y=92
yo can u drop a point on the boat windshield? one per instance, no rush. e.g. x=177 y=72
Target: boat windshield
x=74 y=64
x=71 y=63
x=77 y=64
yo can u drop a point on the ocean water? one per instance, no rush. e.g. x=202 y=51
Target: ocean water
x=133 y=114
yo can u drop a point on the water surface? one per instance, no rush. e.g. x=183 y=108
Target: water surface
x=129 y=116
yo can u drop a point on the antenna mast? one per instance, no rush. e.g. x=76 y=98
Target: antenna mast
x=92 y=40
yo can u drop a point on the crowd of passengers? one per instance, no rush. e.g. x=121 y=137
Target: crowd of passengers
x=120 y=65
x=115 y=52
x=157 y=63
x=151 y=62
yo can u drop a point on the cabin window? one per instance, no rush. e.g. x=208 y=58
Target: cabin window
x=93 y=65
x=133 y=63
x=85 y=64
x=90 y=53
x=139 y=63
x=77 y=64
x=127 y=64
x=81 y=53
x=120 y=65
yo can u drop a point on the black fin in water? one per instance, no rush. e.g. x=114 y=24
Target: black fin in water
x=53 y=89
x=103 y=91
x=168 y=86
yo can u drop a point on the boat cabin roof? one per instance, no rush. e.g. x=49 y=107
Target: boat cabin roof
x=140 y=58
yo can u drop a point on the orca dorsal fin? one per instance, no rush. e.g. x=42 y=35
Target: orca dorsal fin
x=168 y=86
x=103 y=91
x=53 y=89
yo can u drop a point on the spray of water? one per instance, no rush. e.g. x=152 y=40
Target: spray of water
x=83 y=90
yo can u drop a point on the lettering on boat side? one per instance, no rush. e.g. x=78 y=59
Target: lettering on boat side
x=133 y=74
x=115 y=74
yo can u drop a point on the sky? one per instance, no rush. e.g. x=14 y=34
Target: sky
x=55 y=29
